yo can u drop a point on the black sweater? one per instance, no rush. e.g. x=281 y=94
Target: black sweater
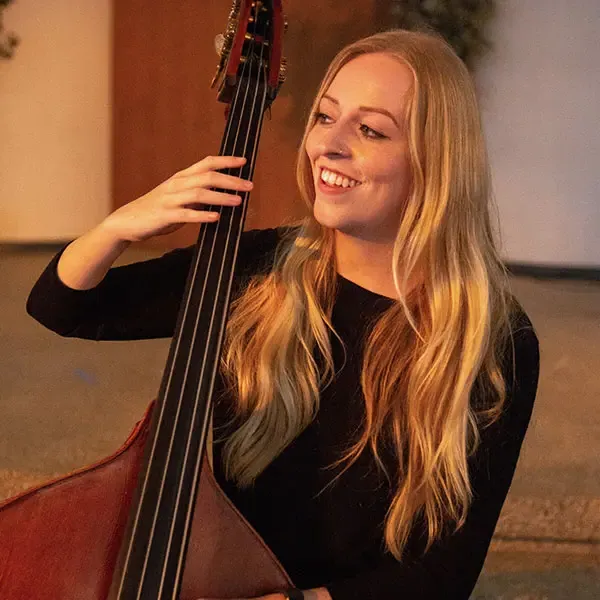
x=323 y=535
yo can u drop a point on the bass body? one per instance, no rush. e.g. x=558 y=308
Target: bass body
x=61 y=540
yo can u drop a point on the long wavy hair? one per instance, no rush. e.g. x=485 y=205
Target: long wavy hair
x=427 y=354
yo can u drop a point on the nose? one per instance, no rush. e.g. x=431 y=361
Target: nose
x=334 y=141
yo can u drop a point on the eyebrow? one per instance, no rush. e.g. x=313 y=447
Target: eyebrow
x=382 y=111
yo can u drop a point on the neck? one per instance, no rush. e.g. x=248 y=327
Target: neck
x=367 y=263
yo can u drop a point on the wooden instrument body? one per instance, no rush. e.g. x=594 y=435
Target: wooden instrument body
x=61 y=540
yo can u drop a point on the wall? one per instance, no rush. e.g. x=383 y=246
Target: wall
x=537 y=90
x=55 y=120
x=539 y=94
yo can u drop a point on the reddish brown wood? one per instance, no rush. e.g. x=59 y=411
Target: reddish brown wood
x=276 y=47
x=60 y=540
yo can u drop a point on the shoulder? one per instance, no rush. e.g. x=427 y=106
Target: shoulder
x=523 y=350
x=519 y=362
x=256 y=251
x=259 y=247
x=255 y=242
x=521 y=370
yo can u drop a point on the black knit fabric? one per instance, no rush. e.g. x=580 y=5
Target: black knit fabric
x=325 y=533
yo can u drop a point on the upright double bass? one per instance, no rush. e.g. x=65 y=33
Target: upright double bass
x=150 y=521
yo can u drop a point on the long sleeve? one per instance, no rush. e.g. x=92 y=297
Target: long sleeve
x=136 y=301
x=451 y=567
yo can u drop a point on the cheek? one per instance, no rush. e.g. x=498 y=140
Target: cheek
x=392 y=187
x=401 y=175
x=393 y=172
x=311 y=145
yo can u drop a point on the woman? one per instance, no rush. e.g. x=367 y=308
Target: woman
x=378 y=376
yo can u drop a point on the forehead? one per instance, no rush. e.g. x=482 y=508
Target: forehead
x=376 y=79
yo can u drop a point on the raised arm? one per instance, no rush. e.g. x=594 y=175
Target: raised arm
x=80 y=295
x=166 y=208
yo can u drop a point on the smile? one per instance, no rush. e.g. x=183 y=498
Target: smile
x=337 y=179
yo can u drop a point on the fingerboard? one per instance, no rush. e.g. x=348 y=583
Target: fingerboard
x=153 y=554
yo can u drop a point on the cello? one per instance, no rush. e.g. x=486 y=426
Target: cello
x=150 y=522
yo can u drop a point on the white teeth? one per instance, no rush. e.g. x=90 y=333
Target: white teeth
x=334 y=179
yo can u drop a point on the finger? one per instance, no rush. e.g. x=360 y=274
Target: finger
x=190 y=215
x=201 y=197
x=211 y=163
x=212 y=179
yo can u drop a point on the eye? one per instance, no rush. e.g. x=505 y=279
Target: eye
x=371 y=133
x=321 y=117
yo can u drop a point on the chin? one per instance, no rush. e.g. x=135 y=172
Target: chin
x=338 y=224
x=332 y=219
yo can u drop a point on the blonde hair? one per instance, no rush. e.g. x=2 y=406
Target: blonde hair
x=426 y=355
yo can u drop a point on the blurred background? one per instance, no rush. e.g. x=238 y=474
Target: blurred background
x=102 y=101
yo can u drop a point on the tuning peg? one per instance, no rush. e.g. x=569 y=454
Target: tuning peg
x=283 y=69
x=219 y=43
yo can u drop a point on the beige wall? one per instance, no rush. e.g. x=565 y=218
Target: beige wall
x=55 y=120
x=540 y=93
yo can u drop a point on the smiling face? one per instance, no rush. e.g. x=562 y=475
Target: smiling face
x=358 y=149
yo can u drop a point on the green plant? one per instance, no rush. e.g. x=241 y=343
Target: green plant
x=8 y=41
x=461 y=22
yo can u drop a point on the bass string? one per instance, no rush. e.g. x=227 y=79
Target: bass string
x=160 y=418
x=181 y=468
x=190 y=424
x=230 y=214
x=213 y=327
x=196 y=471
x=189 y=506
